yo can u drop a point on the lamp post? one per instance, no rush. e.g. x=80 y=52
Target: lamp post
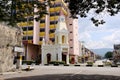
x=82 y=47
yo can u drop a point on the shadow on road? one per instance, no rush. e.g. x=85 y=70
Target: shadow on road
x=68 y=77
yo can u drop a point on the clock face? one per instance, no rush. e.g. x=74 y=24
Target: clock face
x=62 y=19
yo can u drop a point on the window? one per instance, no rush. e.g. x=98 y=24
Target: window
x=71 y=47
x=70 y=39
x=42 y=21
x=24 y=28
x=52 y=31
x=54 y=14
x=42 y=29
x=24 y=37
x=31 y=18
x=40 y=38
x=30 y=37
x=53 y=22
x=30 y=28
x=55 y=5
x=63 y=39
x=52 y=39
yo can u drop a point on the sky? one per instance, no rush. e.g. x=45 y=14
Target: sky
x=104 y=36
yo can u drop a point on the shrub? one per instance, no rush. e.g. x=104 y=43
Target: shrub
x=108 y=63
x=28 y=62
x=56 y=62
x=89 y=63
x=66 y=64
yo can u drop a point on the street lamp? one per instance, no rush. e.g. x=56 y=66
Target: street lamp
x=82 y=47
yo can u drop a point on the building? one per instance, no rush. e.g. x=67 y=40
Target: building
x=86 y=54
x=60 y=50
x=116 y=52
x=34 y=32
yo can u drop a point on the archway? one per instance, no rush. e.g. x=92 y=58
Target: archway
x=48 y=58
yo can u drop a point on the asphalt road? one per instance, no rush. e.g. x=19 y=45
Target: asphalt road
x=65 y=73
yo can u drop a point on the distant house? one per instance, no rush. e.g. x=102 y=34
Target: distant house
x=116 y=52
x=86 y=55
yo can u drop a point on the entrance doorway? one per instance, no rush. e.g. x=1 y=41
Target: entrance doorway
x=48 y=58
x=64 y=57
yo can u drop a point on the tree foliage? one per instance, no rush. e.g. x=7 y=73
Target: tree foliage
x=14 y=11
x=109 y=54
x=77 y=7
x=83 y=7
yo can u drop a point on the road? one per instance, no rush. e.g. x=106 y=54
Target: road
x=65 y=73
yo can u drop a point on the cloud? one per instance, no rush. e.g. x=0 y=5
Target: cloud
x=95 y=44
x=104 y=36
x=114 y=38
x=84 y=36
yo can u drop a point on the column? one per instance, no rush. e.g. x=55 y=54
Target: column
x=36 y=28
x=42 y=56
x=60 y=54
x=67 y=59
x=47 y=24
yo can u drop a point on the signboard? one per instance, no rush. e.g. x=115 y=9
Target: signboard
x=19 y=49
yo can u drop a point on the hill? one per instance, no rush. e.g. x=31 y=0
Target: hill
x=101 y=51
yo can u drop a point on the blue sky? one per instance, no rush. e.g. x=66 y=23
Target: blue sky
x=104 y=36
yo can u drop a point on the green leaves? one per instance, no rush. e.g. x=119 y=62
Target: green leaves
x=109 y=54
x=83 y=7
x=14 y=11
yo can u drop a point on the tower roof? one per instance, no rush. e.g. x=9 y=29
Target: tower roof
x=61 y=25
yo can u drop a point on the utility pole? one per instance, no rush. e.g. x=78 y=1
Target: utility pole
x=82 y=44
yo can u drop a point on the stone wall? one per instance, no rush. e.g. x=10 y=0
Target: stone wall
x=9 y=37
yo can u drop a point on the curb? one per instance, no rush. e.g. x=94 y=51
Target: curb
x=5 y=73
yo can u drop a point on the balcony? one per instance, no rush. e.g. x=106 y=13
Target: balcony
x=42 y=34
x=55 y=9
x=30 y=41
x=53 y=18
x=42 y=25
x=28 y=32
x=52 y=35
x=52 y=26
x=40 y=42
x=24 y=24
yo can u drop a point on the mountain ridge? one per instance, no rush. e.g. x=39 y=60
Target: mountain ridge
x=101 y=51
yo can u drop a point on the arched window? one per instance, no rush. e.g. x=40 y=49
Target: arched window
x=63 y=39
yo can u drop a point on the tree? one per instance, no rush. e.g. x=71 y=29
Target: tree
x=83 y=7
x=14 y=11
x=109 y=55
x=77 y=7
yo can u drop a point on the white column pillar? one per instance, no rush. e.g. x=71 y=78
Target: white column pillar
x=60 y=54
x=36 y=28
x=60 y=39
x=67 y=59
x=47 y=24
x=42 y=56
